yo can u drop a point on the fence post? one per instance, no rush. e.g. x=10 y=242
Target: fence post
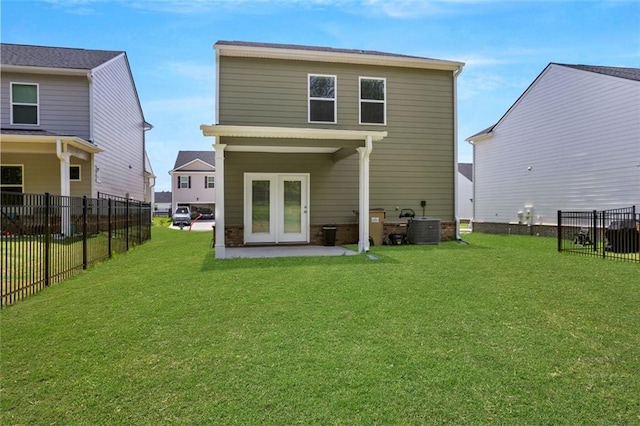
x=47 y=238
x=559 y=230
x=603 y=220
x=84 y=232
x=126 y=229
x=109 y=226
x=594 y=224
x=140 y=222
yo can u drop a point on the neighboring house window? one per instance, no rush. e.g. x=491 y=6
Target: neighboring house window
x=372 y=100
x=184 y=182
x=11 y=180
x=322 y=98
x=209 y=181
x=74 y=173
x=24 y=103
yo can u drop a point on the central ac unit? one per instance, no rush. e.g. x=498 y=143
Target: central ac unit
x=424 y=230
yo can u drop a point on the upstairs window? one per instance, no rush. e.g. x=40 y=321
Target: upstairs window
x=209 y=181
x=373 y=106
x=322 y=98
x=24 y=103
x=184 y=182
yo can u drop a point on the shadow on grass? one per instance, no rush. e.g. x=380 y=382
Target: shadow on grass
x=209 y=263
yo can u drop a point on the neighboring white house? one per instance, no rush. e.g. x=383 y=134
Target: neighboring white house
x=162 y=202
x=465 y=191
x=570 y=142
x=193 y=180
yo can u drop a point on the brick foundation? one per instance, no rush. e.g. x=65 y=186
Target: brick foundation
x=346 y=233
x=515 y=229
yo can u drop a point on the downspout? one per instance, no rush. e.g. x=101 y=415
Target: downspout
x=456 y=73
x=364 y=153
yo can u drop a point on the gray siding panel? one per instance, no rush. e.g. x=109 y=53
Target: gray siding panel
x=118 y=129
x=415 y=162
x=63 y=106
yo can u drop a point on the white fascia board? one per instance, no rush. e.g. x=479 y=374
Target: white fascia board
x=191 y=162
x=44 y=70
x=336 y=57
x=71 y=140
x=290 y=132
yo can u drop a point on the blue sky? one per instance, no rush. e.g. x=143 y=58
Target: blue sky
x=505 y=45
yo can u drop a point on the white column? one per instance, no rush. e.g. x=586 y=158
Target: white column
x=363 y=231
x=219 y=210
x=65 y=188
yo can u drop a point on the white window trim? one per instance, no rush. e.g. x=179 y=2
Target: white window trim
x=335 y=98
x=13 y=185
x=181 y=177
x=212 y=184
x=79 y=172
x=37 y=104
x=373 y=101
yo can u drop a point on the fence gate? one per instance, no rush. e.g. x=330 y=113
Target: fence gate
x=608 y=233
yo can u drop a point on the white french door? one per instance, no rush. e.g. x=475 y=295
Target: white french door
x=276 y=207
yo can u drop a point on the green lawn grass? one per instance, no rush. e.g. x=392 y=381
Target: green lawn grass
x=504 y=330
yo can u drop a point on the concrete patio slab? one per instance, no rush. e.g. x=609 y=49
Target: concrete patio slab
x=286 y=251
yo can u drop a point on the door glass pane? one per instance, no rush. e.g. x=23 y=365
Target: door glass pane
x=260 y=206
x=292 y=206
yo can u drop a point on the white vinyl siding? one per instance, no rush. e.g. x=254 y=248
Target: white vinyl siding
x=572 y=142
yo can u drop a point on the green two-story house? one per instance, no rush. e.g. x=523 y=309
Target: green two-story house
x=308 y=136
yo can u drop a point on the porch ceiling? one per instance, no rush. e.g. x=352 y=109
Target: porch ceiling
x=291 y=139
x=44 y=143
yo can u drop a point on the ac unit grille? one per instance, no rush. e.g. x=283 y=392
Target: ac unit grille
x=424 y=231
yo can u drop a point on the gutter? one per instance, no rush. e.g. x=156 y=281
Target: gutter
x=456 y=73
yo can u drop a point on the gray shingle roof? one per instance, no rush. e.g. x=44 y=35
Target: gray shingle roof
x=317 y=49
x=626 y=73
x=162 y=197
x=466 y=169
x=185 y=157
x=54 y=57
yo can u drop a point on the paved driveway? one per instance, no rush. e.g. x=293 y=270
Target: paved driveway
x=201 y=226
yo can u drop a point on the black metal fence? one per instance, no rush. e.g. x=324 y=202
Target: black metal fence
x=608 y=233
x=47 y=238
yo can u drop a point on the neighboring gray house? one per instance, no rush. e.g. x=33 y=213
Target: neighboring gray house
x=162 y=202
x=570 y=142
x=308 y=136
x=193 y=180
x=72 y=123
x=465 y=191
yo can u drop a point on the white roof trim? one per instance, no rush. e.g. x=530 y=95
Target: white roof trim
x=282 y=149
x=290 y=132
x=291 y=53
x=43 y=70
x=74 y=141
x=213 y=168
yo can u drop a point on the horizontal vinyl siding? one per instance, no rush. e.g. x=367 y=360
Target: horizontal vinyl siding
x=580 y=134
x=42 y=173
x=415 y=162
x=63 y=103
x=118 y=130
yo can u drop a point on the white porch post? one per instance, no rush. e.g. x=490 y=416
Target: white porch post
x=219 y=210
x=65 y=188
x=363 y=234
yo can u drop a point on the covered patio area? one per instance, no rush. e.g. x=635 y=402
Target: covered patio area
x=339 y=144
